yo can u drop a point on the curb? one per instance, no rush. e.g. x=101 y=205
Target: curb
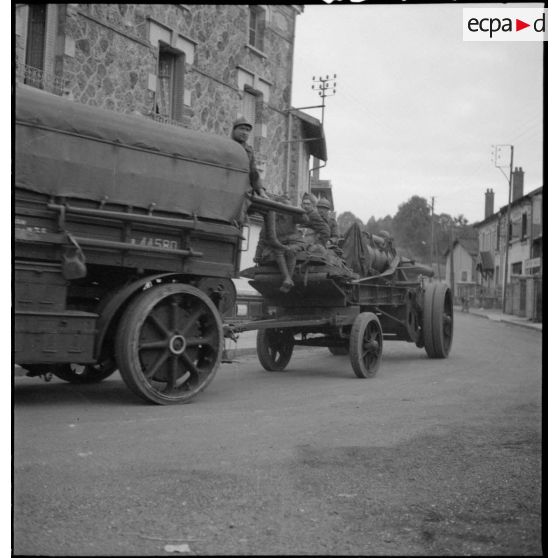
x=507 y=321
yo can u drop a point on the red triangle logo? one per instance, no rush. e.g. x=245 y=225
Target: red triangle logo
x=519 y=25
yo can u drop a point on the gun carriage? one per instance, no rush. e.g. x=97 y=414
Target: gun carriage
x=329 y=305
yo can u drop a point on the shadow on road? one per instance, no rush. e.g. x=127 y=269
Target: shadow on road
x=36 y=392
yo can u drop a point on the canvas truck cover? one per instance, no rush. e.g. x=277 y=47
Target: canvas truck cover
x=65 y=148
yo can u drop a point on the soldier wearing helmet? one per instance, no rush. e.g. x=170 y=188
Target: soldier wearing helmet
x=316 y=228
x=240 y=133
x=324 y=207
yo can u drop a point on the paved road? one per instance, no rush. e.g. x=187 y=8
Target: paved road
x=431 y=457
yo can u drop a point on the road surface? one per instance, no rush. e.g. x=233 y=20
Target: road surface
x=430 y=457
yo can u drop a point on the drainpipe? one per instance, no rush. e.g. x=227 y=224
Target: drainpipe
x=289 y=118
x=508 y=236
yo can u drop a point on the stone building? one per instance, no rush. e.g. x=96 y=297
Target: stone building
x=198 y=66
x=525 y=250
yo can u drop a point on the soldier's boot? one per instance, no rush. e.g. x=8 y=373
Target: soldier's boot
x=290 y=259
x=287 y=284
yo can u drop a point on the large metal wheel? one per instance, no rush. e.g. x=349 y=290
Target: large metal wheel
x=84 y=374
x=437 y=320
x=274 y=348
x=365 y=345
x=169 y=343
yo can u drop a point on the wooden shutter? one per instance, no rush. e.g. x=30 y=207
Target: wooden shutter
x=249 y=112
x=35 y=51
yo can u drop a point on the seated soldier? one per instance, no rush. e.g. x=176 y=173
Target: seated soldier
x=323 y=206
x=316 y=231
x=280 y=241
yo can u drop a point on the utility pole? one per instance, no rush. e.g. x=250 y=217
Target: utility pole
x=432 y=234
x=452 y=277
x=498 y=163
x=325 y=89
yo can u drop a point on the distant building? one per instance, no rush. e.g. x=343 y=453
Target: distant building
x=465 y=252
x=525 y=250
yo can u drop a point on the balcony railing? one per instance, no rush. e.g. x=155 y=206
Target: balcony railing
x=166 y=120
x=39 y=79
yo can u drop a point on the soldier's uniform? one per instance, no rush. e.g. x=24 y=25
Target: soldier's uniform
x=330 y=220
x=255 y=180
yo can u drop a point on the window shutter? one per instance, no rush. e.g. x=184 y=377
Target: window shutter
x=249 y=112
x=50 y=38
x=178 y=87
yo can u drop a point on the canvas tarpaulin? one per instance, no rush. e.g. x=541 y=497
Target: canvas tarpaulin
x=64 y=148
x=355 y=251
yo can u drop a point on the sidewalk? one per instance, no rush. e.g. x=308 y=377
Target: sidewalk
x=498 y=316
x=245 y=345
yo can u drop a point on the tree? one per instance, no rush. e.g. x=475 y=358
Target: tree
x=374 y=226
x=346 y=219
x=412 y=228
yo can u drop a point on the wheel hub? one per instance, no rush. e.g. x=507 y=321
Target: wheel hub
x=177 y=344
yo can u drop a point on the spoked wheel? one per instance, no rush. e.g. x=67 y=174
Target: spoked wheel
x=84 y=374
x=437 y=320
x=366 y=344
x=338 y=351
x=169 y=343
x=274 y=348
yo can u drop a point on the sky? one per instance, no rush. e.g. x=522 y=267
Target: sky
x=417 y=109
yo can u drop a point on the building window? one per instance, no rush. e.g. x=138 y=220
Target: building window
x=516 y=268
x=37 y=25
x=257 y=27
x=464 y=276
x=36 y=35
x=524 y=226
x=169 y=98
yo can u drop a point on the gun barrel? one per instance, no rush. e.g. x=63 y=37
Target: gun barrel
x=264 y=205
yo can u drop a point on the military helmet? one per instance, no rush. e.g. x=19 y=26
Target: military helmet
x=323 y=202
x=242 y=121
x=309 y=196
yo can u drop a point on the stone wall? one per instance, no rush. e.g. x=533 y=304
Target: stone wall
x=109 y=65
x=112 y=60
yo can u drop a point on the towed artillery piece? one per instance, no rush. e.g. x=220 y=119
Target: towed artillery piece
x=350 y=304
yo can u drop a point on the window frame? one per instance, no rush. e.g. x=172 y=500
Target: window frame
x=256 y=27
x=33 y=38
x=523 y=226
x=176 y=85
